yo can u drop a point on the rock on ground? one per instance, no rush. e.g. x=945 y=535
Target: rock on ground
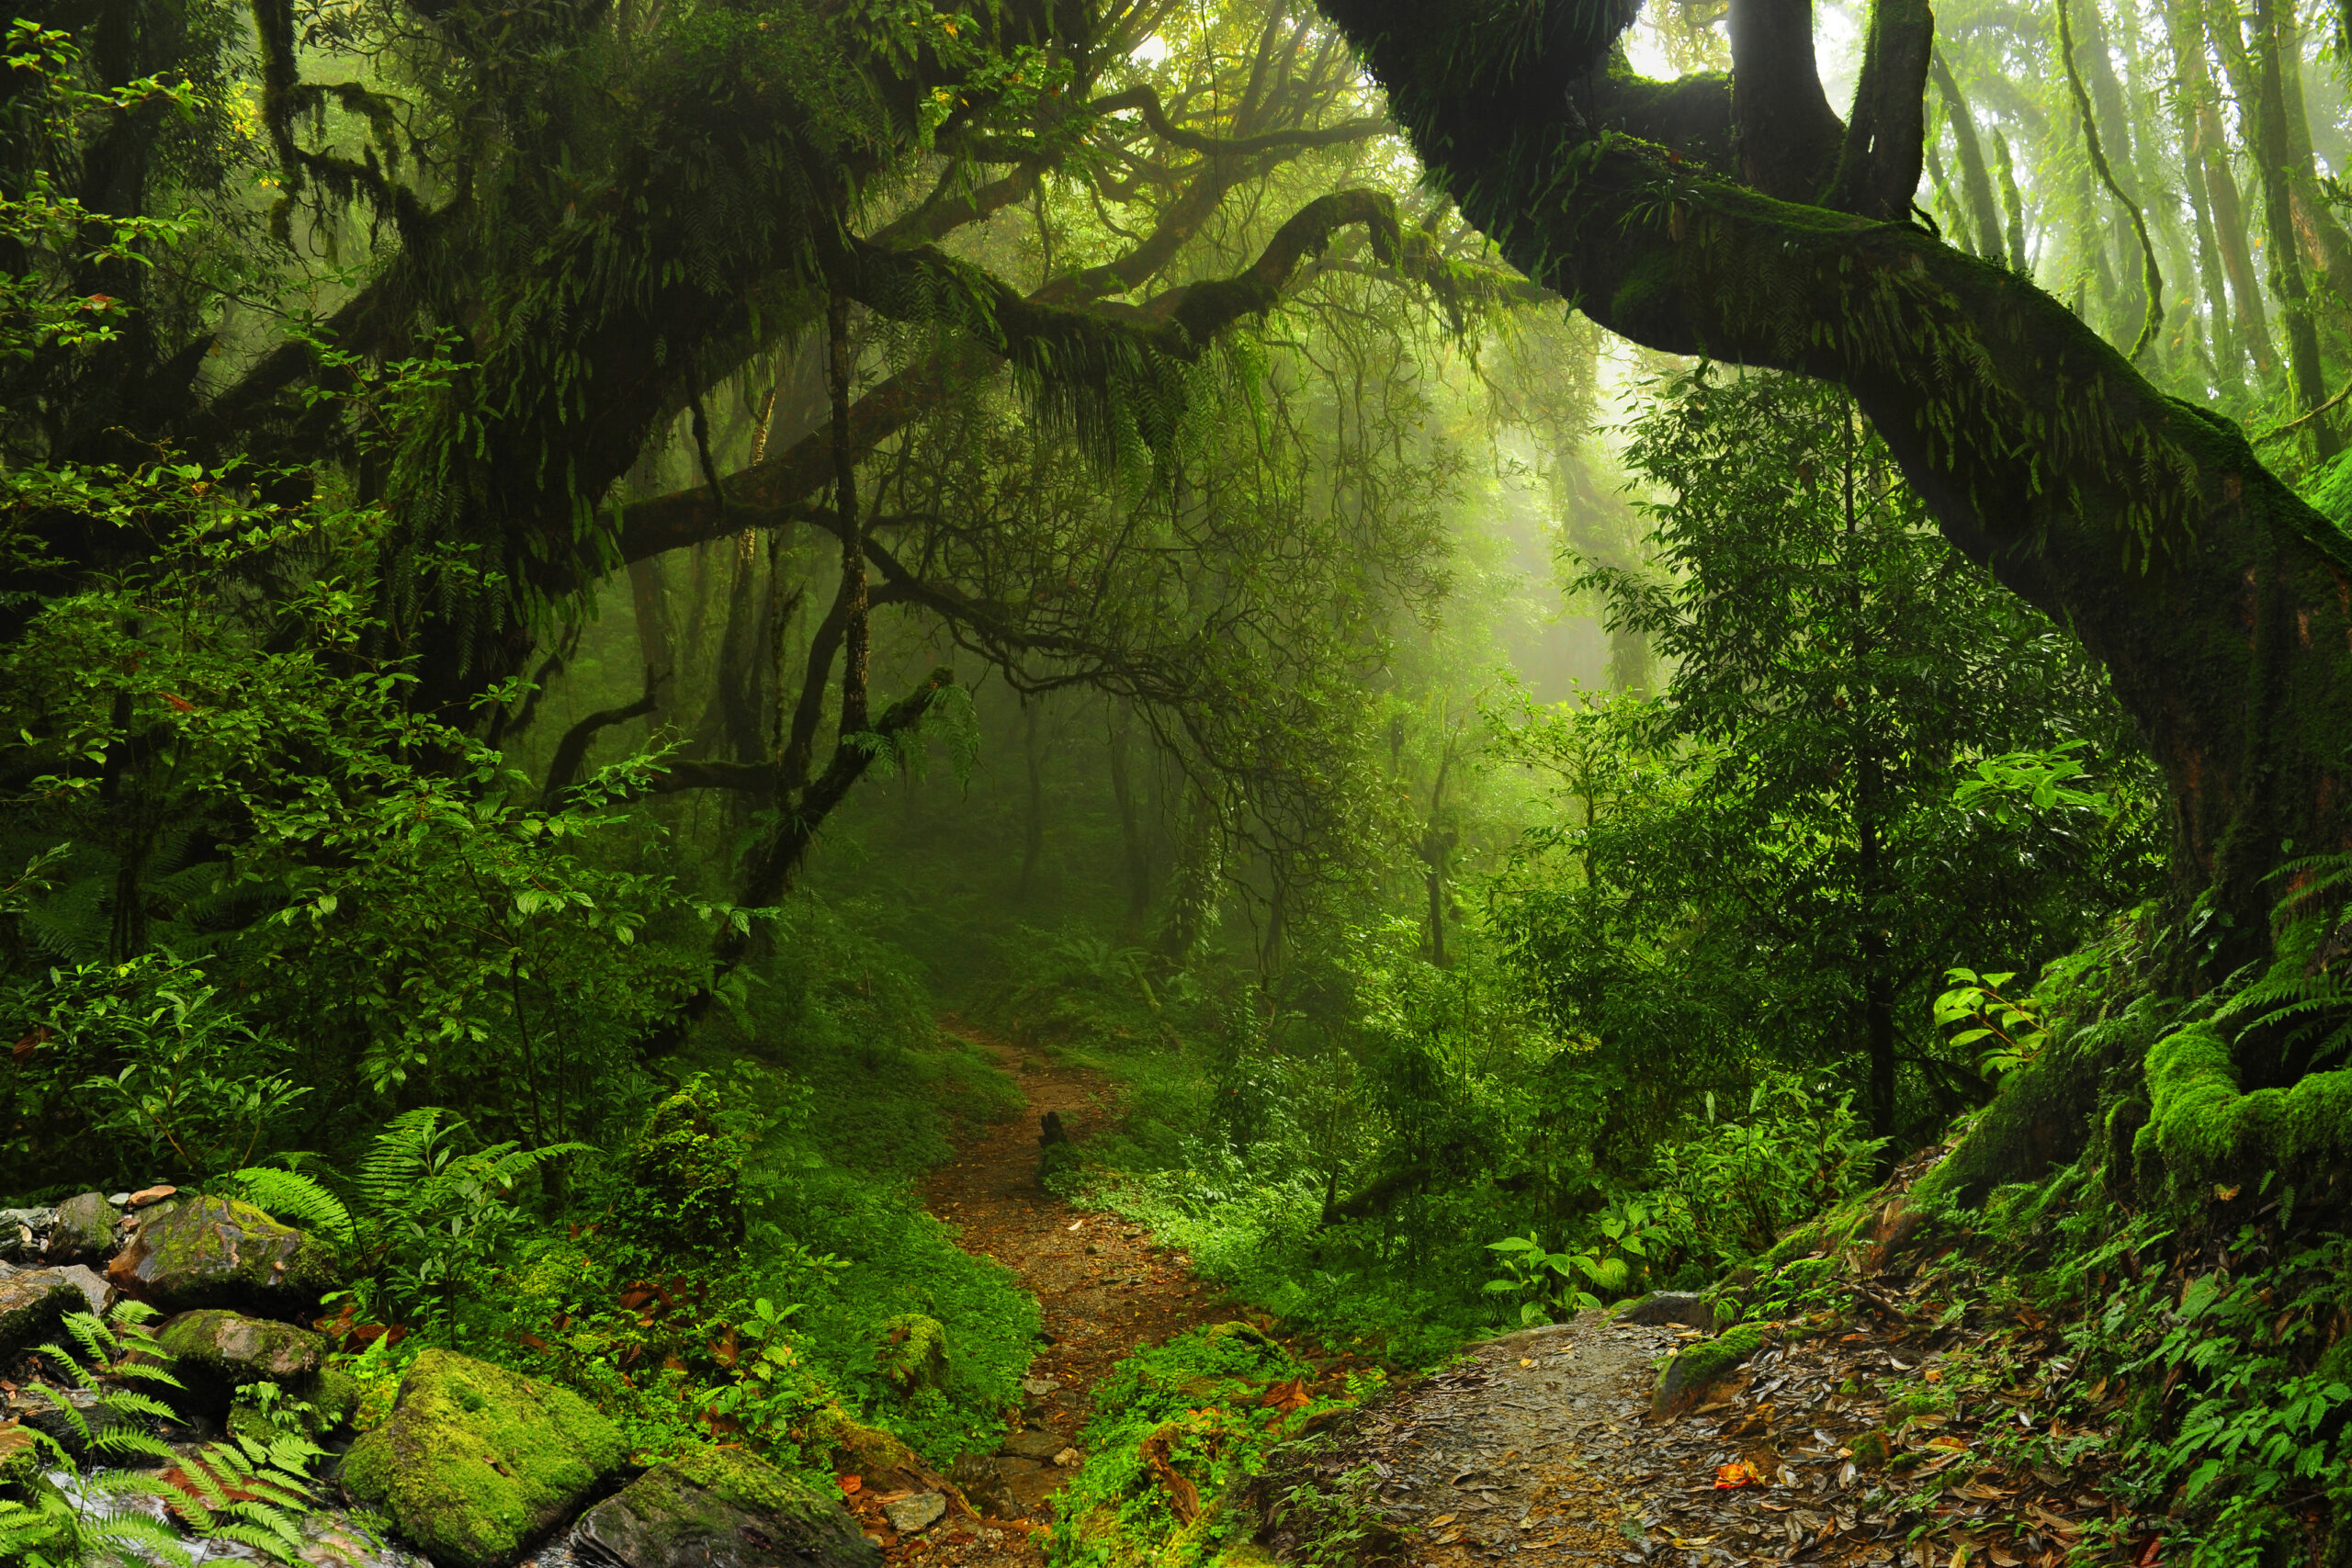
x=223 y=1252
x=719 y=1509
x=32 y=1303
x=215 y=1352
x=476 y=1464
x=85 y=1231
x=911 y=1516
x=1662 y=1309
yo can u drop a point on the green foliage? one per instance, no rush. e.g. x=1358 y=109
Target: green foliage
x=686 y=1175
x=243 y=1490
x=1191 y=1415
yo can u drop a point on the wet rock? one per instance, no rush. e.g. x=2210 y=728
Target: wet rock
x=215 y=1352
x=23 y=1459
x=91 y=1283
x=23 y=1232
x=985 y=1482
x=720 y=1508
x=87 y=1422
x=912 y=1516
x=1033 y=1444
x=1662 y=1307
x=222 y=1252
x=32 y=1303
x=476 y=1462
x=84 y=1231
x=1695 y=1367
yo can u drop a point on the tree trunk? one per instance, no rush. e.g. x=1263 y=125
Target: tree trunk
x=1033 y=819
x=2274 y=155
x=1136 y=850
x=2220 y=604
x=2193 y=88
x=649 y=599
x=1974 y=181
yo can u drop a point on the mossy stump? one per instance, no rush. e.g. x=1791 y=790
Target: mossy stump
x=1698 y=1367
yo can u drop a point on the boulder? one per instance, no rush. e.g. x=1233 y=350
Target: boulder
x=85 y=1231
x=1035 y=1444
x=90 y=1282
x=216 y=1352
x=1696 y=1368
x=476 y=1464
x=204 y=1252
x=720 y=1508
x=33 y=1301
x=1662 y=1307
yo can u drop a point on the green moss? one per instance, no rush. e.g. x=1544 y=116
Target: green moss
x=1869 y=1449
x=1919 y=1401
x=2201 y=1132
x=752 y=1485
x=914 y=1352
x=1696 y=1367
x=476 y=1462
x=211 y=1251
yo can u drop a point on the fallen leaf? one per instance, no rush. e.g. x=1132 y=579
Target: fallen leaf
x=1287 y=1395
x=1736 y=1474
x=849 y=1484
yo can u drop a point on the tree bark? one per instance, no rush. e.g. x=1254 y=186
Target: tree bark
x=1974 y=181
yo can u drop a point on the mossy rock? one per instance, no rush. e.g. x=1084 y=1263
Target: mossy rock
x=722 y=1508
x=477 y=1463
x=914 y=1352
x=33 y=1301
x=215 y=1352
x=87 y=1230
x=2201 y=1133
x=1696 y=1368
x=223 y=1252
x=1918 y=1402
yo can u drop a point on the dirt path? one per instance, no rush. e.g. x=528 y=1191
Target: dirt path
x=1542 y=1447
x=1103 y=1288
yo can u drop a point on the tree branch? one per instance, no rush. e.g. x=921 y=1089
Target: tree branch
x=563 y=769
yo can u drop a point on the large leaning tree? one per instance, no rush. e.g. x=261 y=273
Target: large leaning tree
x=1740 y=217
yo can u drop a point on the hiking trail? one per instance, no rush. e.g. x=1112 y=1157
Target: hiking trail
x=1536 y=1446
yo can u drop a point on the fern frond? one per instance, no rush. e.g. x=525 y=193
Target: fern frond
x=401 y=1156
x=290 y=1195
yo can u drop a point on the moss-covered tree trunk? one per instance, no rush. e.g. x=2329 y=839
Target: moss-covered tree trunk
x=2220 y=604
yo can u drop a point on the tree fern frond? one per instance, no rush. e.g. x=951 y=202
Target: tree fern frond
x=292 y=1196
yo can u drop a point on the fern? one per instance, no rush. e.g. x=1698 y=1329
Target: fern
x=245 y=1491
x=290 y=1195
x=2306 y=992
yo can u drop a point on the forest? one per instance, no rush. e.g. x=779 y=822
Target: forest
x=1175 y=784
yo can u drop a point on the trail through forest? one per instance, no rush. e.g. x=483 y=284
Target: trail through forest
x=1544 y=1446
x=1104 y=1289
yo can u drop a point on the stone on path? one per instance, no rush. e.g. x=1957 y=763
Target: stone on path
x=1660 y=1308
x=912 y=1516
